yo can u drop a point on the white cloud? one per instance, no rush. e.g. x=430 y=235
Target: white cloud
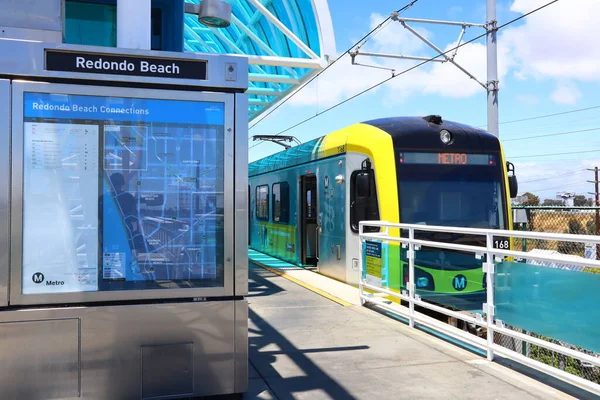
x=566 y=93
x=343 y=79
x=555 y=44
x=528 y=99
x=557 y=41
x=545 y=179
x=339 y=82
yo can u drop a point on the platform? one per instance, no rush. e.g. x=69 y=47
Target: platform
x=310 y=339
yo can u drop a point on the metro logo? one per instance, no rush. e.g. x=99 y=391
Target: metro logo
x=38 y=277
x=459 y=283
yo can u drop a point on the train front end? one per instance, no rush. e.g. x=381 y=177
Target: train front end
x=448 y=174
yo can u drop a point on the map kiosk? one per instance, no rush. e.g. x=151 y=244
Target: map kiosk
x=123 y=212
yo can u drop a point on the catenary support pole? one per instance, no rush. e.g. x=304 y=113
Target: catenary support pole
x=133 y=24
x=492 y=69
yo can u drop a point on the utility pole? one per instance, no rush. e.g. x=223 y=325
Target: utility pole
x=597 y=194
x=492 y=69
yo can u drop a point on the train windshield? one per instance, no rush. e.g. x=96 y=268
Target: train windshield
x=463 y=190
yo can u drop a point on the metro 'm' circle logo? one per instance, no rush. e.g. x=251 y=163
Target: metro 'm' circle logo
x=38 y=277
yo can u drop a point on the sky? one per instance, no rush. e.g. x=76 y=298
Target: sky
x=548 y=63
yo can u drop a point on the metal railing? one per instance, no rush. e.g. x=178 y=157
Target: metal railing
x=490 y=257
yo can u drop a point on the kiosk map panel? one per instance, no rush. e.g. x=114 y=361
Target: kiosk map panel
x=121 y=193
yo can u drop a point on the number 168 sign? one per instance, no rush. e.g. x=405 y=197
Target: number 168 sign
x=502 y=243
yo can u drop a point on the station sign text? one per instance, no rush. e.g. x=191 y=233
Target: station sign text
x=113 y=64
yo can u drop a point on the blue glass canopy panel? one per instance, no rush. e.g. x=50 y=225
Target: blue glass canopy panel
x=253 y=33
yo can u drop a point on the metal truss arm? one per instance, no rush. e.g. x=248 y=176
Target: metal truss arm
x=417 y=34
x=433 y=21
x=462 y=33
x=364 y=53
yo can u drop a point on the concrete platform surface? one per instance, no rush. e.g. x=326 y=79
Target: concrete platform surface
x=303 y=345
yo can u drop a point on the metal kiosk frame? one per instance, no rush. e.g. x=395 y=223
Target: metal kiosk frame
x=95 y=337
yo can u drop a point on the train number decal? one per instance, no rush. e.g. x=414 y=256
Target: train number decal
x=501 y=243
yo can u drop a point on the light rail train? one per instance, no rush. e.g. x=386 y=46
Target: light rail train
x=306 y=201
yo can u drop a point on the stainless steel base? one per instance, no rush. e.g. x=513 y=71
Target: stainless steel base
x=125 y=352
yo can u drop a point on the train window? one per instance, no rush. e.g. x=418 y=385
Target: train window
x=262 y=202
x=281 y=202
x=363 y=199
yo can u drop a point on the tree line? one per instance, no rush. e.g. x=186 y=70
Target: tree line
x=530 y=199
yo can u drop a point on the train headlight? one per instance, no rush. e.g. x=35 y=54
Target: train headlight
x=422 y=282
x=445 y=136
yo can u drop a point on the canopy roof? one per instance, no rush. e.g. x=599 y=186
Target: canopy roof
x=287 y=42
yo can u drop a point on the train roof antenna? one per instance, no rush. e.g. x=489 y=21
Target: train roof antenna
x=277 y=139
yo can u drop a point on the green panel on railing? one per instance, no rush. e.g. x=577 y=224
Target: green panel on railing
x=553 y=302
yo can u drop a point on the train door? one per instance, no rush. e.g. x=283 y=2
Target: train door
x=308 y=219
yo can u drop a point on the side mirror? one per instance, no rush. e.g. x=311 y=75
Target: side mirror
x=513 y=185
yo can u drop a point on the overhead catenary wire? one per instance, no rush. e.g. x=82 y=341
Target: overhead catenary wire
x=562 y=186
x=545 y=116
x=359 y=43
x=552 y=134
x=575 y=172
x=395 y=75
x=557 y=154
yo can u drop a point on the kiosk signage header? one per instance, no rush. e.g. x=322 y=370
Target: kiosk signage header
x=116 y=64
x=96 y=65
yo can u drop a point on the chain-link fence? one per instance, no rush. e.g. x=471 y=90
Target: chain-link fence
x=557 y=360
x=572 y=220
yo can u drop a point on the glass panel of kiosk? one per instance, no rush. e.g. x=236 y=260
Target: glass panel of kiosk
x=120 y=194
x=4 y=189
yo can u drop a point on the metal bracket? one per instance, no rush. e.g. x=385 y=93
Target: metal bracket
x=489 y=268
x=489 y=309
x=500 y=323
x=277 y=139
x=494 y=86
x=478 y=256
x=478 y=317
x=493 y=24
x=417 y=297
x=410 y=254
x=355 y=53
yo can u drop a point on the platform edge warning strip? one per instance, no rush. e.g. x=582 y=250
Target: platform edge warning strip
x=304 y=285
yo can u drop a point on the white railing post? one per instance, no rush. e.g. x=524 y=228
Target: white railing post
x=492 y=255
x=488 y=269
x=411 y=276
x=360 y=263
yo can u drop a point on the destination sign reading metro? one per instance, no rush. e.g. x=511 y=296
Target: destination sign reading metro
x=113 y=64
